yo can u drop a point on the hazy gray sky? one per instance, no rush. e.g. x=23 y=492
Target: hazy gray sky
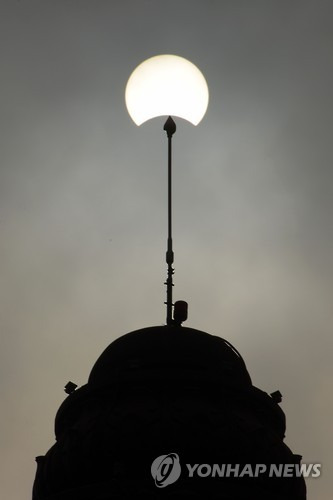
x=83 y=203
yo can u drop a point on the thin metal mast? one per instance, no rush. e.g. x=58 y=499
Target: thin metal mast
x=170 y=128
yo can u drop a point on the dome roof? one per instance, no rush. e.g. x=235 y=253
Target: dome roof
x=163 y=358
x=169 y=350
x=156 y=389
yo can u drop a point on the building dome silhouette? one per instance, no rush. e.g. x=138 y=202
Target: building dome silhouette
x=165 y=346
x=159 y=390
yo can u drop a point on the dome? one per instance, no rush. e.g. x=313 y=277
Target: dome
x=158 y=390
x=173 y=352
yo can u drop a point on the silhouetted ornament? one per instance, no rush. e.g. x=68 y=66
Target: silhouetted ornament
x=162 y=390
x=70 y=387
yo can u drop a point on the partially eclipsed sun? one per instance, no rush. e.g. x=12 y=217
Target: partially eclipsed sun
x=166 y=85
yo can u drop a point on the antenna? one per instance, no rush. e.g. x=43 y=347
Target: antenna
x=170 y=128
x=163 y=85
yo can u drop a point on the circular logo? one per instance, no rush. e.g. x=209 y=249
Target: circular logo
x=165 y=469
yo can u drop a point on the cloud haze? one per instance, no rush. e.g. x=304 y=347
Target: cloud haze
x=83 y=203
